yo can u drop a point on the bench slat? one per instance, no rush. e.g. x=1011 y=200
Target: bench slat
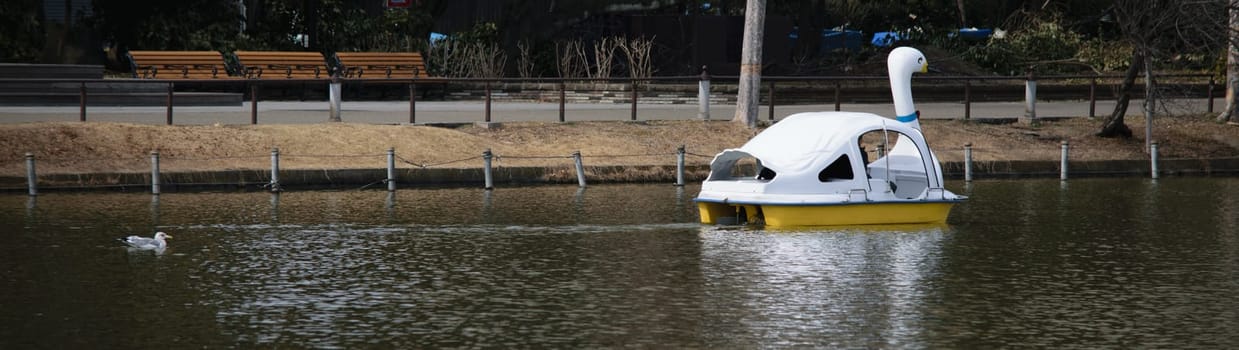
x=383 y=64
x=283 y=64
x=179 y=65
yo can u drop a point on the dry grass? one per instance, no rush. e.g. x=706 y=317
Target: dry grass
x=69 y=148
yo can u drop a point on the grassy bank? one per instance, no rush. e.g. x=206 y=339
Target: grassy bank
x=87 y=148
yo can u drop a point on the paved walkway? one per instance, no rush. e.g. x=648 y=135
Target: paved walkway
x=397 y=112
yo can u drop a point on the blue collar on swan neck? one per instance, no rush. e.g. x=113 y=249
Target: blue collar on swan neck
x=909 y=118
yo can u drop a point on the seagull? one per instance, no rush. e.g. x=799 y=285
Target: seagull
x=157 y=243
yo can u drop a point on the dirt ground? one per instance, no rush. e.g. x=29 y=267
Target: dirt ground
x=77 y=148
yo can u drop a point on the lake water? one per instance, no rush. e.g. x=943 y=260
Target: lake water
x=1113 y=263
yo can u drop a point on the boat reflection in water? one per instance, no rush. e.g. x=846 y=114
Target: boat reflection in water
x=848 y=280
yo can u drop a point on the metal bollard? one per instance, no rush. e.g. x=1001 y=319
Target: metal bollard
x=968 y=162
x=703 y=95
x=391 y=169
x=1062 y=174
x=1153 y=158
x=489 y=180
x=334 y=92
x=275 y=170
x=580 y=169
x=1030 y=99
x=679 y=166
x=155 y=172
x=32 y=179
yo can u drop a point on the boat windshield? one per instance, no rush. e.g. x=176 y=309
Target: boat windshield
x=897 y=159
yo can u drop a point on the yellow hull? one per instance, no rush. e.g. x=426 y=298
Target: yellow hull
x=827 y=215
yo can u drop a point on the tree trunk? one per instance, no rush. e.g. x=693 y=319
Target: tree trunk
x=1231 y=112
x=1114 y=126
x=963 y=21
x=747 y=99
x=1150 y=101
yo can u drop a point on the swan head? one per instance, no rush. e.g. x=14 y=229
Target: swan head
x=900 y=64
x=905 y=61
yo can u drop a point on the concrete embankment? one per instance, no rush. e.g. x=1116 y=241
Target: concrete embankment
x=512 y=176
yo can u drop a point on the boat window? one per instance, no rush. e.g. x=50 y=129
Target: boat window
x=745 y=168
x=766 y=174
x=840 y=169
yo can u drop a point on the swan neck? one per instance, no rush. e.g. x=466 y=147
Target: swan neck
x=901 y=92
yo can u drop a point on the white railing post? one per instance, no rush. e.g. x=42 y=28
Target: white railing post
x=155 y=172
x=32 y=178
x=703 y=95
x=486 y=172
x=968 y=162
x=1153 y=158
x=580 y=168
x=275 y=170
x=1062 y=174
x=391 y=169
x=679 y=166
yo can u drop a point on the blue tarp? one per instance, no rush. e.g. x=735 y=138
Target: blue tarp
x=834 y=39
x=974 y=33
x=884 y=39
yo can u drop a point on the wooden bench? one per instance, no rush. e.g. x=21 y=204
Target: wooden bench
x=382 y=64
x=179 y=65
x=283 y=64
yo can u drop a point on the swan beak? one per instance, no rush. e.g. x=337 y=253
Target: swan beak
x=925 y=67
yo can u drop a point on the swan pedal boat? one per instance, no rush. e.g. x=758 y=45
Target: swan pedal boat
x=810 y=169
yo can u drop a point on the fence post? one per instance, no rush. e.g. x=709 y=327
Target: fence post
x=679 y=166
x=391 y=169
x=1062 y=174
x=703 y=95
x=155 y=172
x=1092 y=98
x=634 y=100
x=489 y=182
x=82 y=101
x=275 y=170
x=254 y=103
x=488 y=101
x=412 y=102
x=1153 y=158
x=170 y=88
x=968 y=162
x=32 y=178
x=772 y=89
x=563 y=96
x=1030 y=98
x=837 y=101
x=967 y=99
x=1209 y=92
x=580 y=169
